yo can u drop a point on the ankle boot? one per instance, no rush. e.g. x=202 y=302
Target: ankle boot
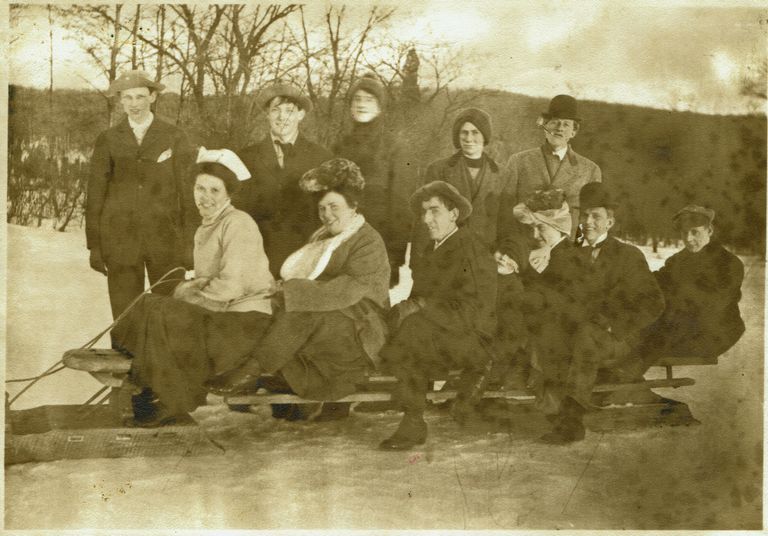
x=243 y=379
x=411 y=432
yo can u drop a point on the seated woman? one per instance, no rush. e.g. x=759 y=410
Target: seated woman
x=333 y=297
x=213 y=321
x=702 y=289
x=551 y=302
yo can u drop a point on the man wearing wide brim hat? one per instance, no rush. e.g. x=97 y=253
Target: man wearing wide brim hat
x=140 y=215
x=286 y=215
x=449 y=319
x=702 y=289
x=619 y=297
x=554 y=164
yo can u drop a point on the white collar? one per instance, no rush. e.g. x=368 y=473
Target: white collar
x=143 y=125
x=600 y=240
x=446 y=237
x=560 y=153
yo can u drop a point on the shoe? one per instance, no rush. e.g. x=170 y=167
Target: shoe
x=161 y=417
x=564 y=434
x=411 y=432
x=333 y=411
x=240 y=380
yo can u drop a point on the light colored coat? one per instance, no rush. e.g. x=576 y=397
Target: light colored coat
x=229 y=253
x=527 y=172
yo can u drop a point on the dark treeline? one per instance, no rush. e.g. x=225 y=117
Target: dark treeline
x=655 y=160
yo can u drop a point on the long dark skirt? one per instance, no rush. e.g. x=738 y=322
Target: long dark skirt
x=176 y=347
x=318 y=353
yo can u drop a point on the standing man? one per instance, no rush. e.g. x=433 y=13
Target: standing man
x=140 y=215
x=620 y=298
x=552 y=165
x=286 y=215
x=449 y=320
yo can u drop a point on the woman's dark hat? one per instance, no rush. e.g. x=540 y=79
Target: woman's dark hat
x=595 y=194
x=562 y=107
x=477 y=117
x=370 y=83
x=333 y=174
x=285 y=90
x=440 y=189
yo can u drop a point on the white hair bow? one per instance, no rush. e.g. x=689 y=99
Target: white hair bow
x=226 y=158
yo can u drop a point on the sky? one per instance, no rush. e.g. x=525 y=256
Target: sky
x=679 y=54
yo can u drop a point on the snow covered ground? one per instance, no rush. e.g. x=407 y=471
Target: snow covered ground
x=274 y=474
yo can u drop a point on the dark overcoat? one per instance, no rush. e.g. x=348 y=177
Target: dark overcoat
x=621 y=292
x=137 y=206
x=286 y=215
x=390 y=178
x=458 y=284
x=702 y=292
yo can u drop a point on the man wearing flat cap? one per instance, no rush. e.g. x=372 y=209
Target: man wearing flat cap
x=286 y=215
x=619 y=296
x=702 y=289
x=552 y=165
x=140 y=215
x=449 y=319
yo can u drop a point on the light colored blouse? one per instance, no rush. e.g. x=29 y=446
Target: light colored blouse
x=229 y=253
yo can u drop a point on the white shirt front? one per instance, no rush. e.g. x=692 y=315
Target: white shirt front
x=560 y=153
x=279 y=150
x=140 y=129
x=446 y=237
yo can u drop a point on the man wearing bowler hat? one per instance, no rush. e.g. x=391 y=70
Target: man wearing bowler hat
x=620 y=297
x=552 y=165
x=449 y=319
x=286 y=215
x=140 y=215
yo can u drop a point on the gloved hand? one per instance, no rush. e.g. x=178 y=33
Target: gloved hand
x=97 y=263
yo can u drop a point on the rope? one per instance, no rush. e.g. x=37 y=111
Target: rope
x=33 y=380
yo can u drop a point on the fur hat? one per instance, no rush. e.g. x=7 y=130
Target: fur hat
x=545 y=206
x=441 y=189
x=132 y=79
x=288 y=91
x=370 y=83
x=477 y=117
x=337 y=173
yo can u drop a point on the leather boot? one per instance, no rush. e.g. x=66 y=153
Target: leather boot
x=243 y=379
x=569 y=426
x=411 y=432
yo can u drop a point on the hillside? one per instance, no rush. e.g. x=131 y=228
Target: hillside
x=656 y=160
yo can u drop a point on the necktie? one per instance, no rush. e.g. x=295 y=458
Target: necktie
x=595 y=252
x=287 y=148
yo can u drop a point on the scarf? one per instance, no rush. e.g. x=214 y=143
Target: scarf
x=310 y=261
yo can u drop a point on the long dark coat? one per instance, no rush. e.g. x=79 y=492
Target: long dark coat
x=702 y=292
x=286 y=215
x=528 y=172
x=137 y=206
x=389 y=181
x=483 y=192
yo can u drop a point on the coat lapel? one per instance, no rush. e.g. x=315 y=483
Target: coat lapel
x=153 y=134
x=126 y=134
x=568 y=168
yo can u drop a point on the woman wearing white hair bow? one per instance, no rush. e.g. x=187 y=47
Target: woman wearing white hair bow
x=213 y=321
